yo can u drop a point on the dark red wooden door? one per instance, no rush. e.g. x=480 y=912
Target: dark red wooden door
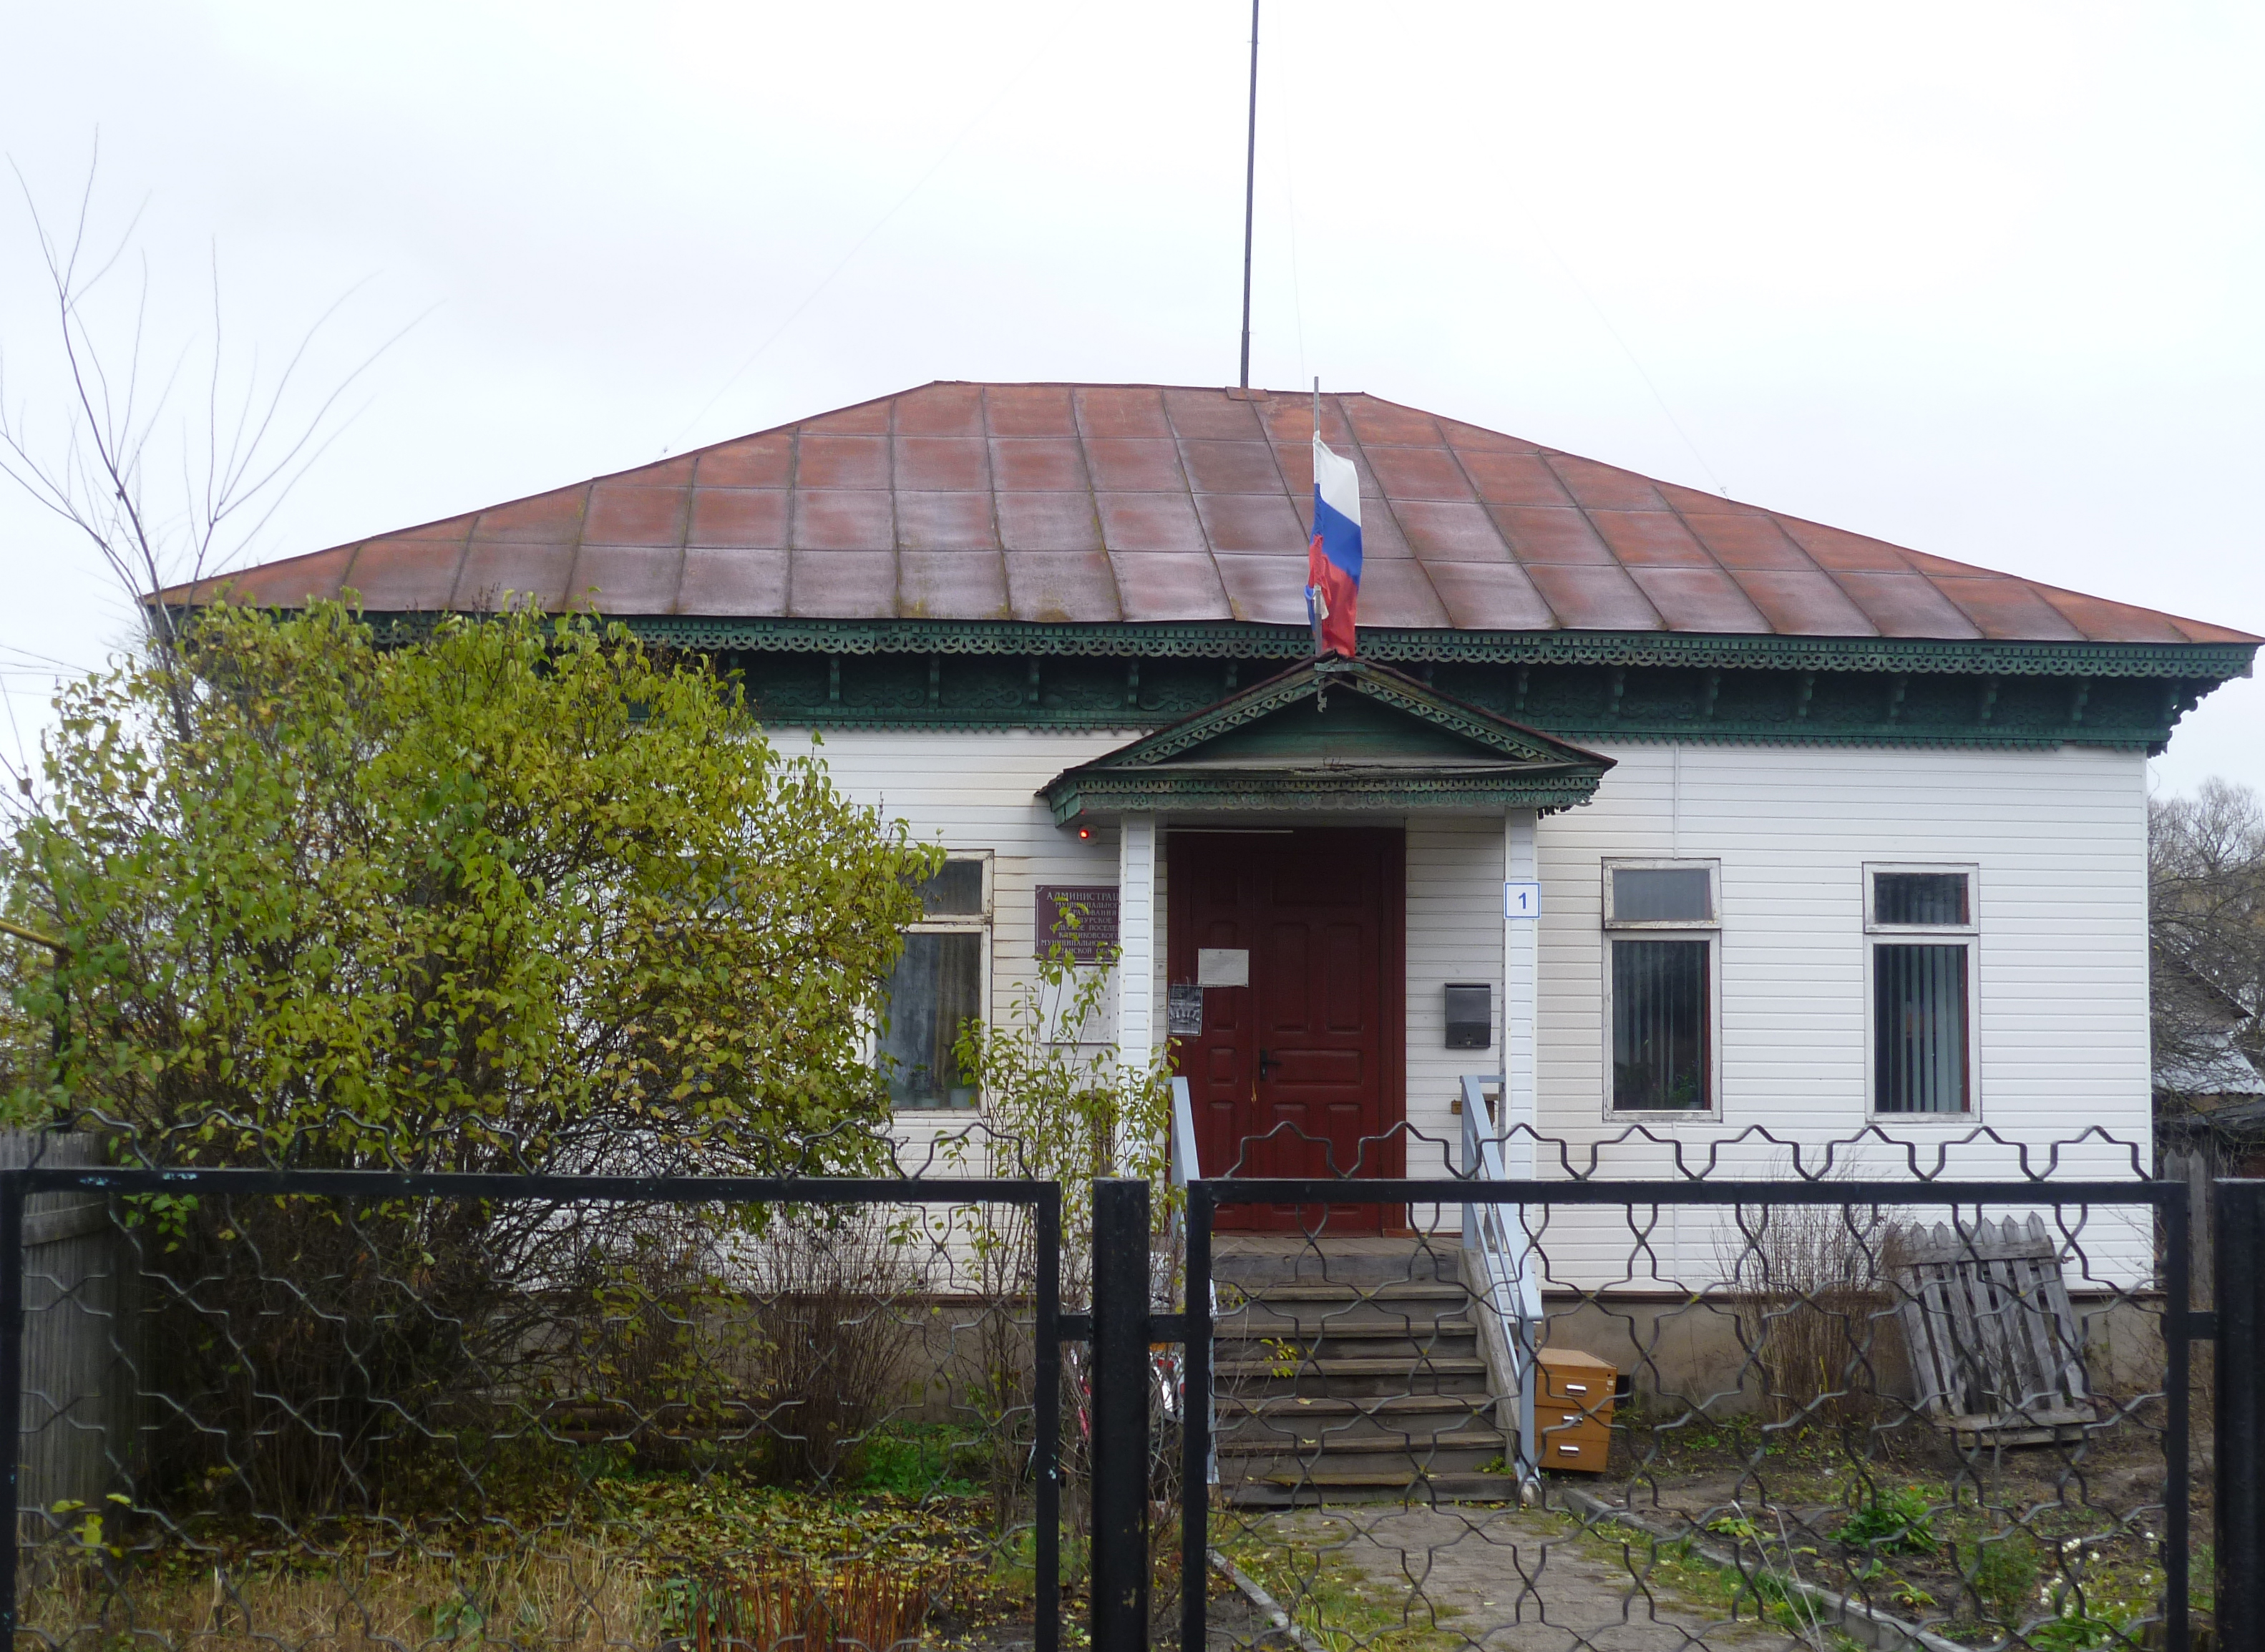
x=1302 y=1071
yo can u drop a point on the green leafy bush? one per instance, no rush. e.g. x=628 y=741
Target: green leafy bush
x=1897 y=1521
x=509 y=895
x=516 y=895
x=2002 y=1571
x=929 y=1459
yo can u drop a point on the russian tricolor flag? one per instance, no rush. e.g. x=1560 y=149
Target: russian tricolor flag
x=1333 y=560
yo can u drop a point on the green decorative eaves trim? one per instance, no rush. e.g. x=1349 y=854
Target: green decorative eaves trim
x=1506 y=707
x=1118 y=791
x=1915 y=736
x=2134 y=702
x=1231 y=640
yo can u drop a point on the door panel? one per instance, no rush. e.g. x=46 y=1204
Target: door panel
x=1302 y=1072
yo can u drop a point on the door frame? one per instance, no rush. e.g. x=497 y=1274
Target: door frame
x=1391 y=1158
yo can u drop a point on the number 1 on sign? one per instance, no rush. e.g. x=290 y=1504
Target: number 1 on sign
x=1522 y=899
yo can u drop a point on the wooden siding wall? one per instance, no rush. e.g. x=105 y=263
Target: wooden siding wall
x=1454 y=934
x=2060 y=838
x=975 y=791
x=2060 y=841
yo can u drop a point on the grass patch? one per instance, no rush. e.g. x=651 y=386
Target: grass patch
x=1332 y=1597
x=1757 y=1593
x=931 y=1459
x=2069 y=1595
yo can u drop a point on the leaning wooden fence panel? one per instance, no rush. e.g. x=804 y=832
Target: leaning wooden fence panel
x=1996 y=1348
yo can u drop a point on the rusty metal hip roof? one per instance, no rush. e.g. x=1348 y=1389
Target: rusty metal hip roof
x=1081 y=504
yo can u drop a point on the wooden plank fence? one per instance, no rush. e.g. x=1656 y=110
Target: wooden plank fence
x=77 y=1426
x=1996 y=1352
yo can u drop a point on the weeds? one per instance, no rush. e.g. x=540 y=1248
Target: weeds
x=579 y=1598
x=1811 y=1284
x=625 y=1559
x=861 y=1607
x=924 y=1460
x=1899 y=1522
x=2001 y=1571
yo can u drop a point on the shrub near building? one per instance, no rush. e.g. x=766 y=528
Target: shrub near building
x=515 y=895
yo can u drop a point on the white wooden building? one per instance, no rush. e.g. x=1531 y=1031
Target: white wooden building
x=1689 y=816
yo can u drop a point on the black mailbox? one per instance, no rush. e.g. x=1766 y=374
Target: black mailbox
x=1470 y=1015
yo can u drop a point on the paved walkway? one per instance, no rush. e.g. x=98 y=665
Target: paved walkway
x=1505 y=1580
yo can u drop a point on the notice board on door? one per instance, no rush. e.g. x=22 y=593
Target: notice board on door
x=1079 y=918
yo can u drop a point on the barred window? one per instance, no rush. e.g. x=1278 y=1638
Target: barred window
x=1661 y=982
x=936 y=988
x=1922 y=989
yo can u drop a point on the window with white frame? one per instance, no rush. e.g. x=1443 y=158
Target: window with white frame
x=1661 y=930
x=937 y=987
x=1920 y=920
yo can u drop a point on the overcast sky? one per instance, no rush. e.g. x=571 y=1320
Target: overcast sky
x=1979 y=278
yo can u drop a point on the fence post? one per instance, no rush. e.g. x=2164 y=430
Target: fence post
x=12 y=1387
x=1045 y=1612
x=1120 y=1415
x=1198 y=1460
x=2240 y=1445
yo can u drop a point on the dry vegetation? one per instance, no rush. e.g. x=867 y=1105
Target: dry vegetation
x=1815 y=1306
x=575 y=1597
x=712 y=1563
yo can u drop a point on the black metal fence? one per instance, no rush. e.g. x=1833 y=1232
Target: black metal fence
x=1877 y=1412
x=357 y=1409
x=360 y=1410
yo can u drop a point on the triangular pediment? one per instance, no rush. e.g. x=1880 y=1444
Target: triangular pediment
x=1335 y=734
x=1344 y=728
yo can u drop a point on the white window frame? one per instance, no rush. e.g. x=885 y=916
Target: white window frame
x=1968 y=934
x=1710 y=931
x=977 y=923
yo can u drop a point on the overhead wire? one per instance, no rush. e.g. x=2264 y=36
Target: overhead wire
x=1675 y=424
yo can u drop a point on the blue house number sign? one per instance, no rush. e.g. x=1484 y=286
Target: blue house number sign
x=1521 y=898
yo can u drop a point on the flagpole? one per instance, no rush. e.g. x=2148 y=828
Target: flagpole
x=1250 y=191
x=1313 y=607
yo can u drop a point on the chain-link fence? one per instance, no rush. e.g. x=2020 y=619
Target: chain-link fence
x=353 y=1409
x=1757 y=1394
x=1854 y=1394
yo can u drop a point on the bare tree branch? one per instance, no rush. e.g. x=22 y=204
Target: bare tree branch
x=240 y=455
x=2206 y=919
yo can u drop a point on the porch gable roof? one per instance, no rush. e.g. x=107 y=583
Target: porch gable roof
x=1389 y=743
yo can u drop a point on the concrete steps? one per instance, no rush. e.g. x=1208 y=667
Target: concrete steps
x=1352 y=1375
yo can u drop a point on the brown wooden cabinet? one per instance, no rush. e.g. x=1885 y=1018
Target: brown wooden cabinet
x=1573 y=1412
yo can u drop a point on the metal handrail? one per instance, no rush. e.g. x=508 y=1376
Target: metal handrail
x=1497 y=1235
x=1187 y=1167
x=1183 y=1135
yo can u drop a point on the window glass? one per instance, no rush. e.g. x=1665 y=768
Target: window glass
x=956 y=892
x=1661 y=1028
x=1919 y=1013
x=936 y=989
x=1918 y=898
x=1662 y=894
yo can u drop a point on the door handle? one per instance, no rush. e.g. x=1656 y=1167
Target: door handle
x=1266 y=1063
